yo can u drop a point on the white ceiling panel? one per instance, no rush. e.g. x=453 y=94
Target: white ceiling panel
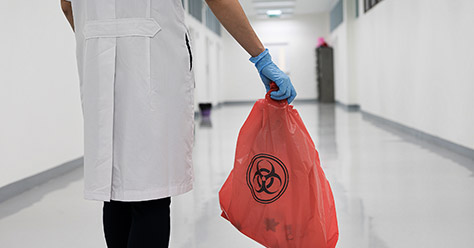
x=259 y=7
x=312 y=6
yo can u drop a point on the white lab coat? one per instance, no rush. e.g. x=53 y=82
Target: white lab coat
x=137 y=92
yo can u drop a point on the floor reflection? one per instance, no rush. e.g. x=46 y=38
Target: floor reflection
x=327 y=129
x=205 y=122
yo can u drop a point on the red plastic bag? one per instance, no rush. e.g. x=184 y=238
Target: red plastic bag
x=277 y=194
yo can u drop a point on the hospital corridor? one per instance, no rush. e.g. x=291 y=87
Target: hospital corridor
x=383 y=90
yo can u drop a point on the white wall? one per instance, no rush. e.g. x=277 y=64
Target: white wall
x=241 y=79
x=41 y=118
x=414 y=65
x=342 y=40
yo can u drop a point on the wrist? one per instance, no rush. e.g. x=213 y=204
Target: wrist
x=262 y=60
x=257 y=58
x=257 y=51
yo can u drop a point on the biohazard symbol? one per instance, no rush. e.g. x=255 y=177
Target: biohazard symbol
x=267 y=178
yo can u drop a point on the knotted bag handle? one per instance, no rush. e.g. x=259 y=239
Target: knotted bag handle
x=274 y=87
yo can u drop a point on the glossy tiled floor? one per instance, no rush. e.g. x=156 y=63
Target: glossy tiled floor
x=392 y=191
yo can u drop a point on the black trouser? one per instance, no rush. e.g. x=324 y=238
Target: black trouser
x=144 y=224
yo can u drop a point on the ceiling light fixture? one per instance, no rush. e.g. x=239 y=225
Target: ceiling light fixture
x=274 y=13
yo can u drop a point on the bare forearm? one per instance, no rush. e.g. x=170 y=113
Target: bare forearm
x=67 y=10
x=233 y=18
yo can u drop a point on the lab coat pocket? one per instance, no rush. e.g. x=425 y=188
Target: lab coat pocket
x=189 y=47
x=189 y=51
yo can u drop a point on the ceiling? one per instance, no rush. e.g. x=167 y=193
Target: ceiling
x=258 y=8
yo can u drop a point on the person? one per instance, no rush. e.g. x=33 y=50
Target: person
x=136 y=76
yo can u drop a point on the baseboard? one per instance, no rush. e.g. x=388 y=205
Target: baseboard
x=250 y=102
x=420 y=135
x=247 y=103
x=233 y=103
x=304 y=101
x=348 y=107
x=18 y=187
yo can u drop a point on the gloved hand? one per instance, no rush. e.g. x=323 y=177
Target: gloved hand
x=270 y=72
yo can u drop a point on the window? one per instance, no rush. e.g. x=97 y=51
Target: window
x=195 y=9
x=212 y=23
x=336 y=15
x=357 y=8
x=368 y=4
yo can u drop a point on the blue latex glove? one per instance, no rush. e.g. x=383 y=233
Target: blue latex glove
x=270 y=72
